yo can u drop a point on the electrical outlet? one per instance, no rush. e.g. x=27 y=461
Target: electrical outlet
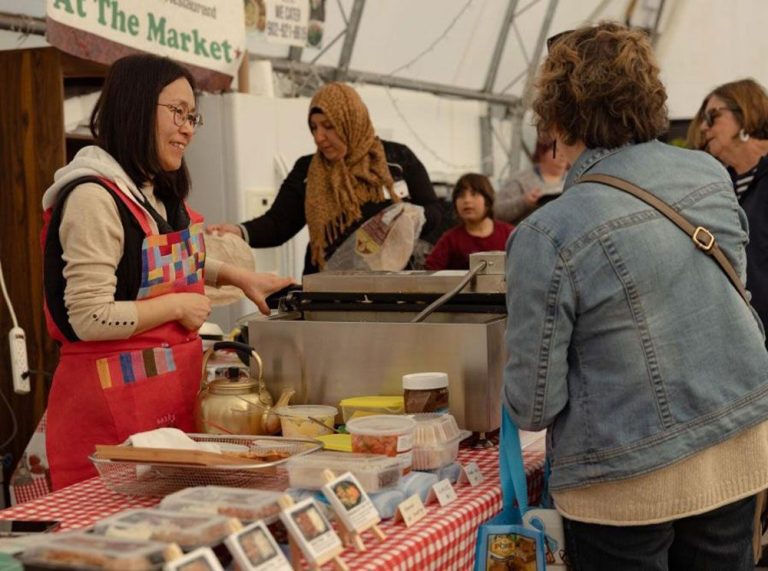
x=19 y=366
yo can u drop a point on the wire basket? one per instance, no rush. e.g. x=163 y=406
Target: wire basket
x=161 y=479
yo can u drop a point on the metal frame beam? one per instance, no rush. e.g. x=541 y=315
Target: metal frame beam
x=498 y=50
x=353 y=25
x=328 y=73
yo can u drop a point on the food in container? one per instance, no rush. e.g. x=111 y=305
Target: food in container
x=373 y=471
x=295 y=422
x=79 y=550
x=365 y=406
x=388 y=435
x=246 y=505
x=435 y=441
x=425 y=392
x=188 y=530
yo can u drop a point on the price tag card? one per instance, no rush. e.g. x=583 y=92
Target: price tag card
x=410 y=511
x=201 y=559
x=350 y=503
x=443 y=492
x=471 y=474
x=254 y=549
x=307 y=525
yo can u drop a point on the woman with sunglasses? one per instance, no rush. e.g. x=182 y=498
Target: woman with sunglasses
x=625 y=340
x=732 y=125
x=125 y=270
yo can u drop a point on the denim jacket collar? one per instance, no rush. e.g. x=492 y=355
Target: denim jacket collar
x=586 y=160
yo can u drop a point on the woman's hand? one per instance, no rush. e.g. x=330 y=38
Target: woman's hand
x=256 y=286
x=193 y=309
x=189 y=309
x=224 y=229
x=532 y=195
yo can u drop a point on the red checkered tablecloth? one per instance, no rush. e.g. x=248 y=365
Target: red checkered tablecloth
x=443 y=540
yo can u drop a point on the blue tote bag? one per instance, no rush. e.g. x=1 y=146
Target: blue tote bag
x=519 y=532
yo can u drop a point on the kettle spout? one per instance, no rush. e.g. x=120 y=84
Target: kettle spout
x=272 y=421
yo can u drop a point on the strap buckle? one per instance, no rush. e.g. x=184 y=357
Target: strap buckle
x=703 y=238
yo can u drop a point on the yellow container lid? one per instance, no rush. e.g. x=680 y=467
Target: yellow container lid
x=375 y=402
x=338 y=442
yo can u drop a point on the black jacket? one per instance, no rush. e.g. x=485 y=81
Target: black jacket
x=754 y=201
x=286 y=216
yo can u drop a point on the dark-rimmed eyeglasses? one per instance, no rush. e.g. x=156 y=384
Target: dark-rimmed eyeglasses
x=552 y=40
x=180 y=116
x=711 y=115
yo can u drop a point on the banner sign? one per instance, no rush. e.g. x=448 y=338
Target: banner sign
x=206 y=35
x=297 y=23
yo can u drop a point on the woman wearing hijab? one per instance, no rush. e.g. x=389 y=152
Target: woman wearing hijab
x=732 y=125
x=353 y=176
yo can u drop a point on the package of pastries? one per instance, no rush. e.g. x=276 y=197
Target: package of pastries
x=80 y=550
x=245 y=504
x=187 y=529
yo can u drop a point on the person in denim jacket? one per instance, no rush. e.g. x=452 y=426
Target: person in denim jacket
x=625 y=341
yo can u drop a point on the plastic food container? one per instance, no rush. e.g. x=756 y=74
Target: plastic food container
x=366 y=406
x=79 y=550
x=294 y=419
x=435 y=441
x=388 y=435
x=188 y=530
x=373 y=471
x=246 y=505
x=426 y=392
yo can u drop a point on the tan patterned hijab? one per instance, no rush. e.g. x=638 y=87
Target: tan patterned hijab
x=336 y=190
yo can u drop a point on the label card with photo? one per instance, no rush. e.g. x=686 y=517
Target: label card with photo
x=350 y=503
x=310 y=529
x=254 y=549
x=443 y=492
x=410 y=511
x=201 y=559
x=471 y=474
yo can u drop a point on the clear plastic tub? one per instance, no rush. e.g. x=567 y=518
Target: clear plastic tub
x=188 y=530
x=435 y=441
x=246 y=505
x=388 y=435
x=80 y=550
x=356 y=407
x=295 y=422
x=373 y=471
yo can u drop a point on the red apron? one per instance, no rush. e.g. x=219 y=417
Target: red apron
x=104 y=391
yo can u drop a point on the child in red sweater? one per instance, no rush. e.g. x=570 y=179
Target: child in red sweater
x=478 y=232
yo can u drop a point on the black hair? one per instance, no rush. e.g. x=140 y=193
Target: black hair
x=123 y=120
x=479 y=183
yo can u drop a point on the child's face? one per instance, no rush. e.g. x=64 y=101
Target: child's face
x=470 y=206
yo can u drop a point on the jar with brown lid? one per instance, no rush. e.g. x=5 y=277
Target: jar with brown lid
x=426 y=392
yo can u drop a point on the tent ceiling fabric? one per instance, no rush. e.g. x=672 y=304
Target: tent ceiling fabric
x=702 y=43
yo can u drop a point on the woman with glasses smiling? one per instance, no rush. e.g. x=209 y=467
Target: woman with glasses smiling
x=732 y=125
x=125 y=270
x=626 y=340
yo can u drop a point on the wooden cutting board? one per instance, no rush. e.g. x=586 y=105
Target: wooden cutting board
x=168 y=455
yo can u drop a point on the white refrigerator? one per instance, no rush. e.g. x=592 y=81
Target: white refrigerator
x=237 y=161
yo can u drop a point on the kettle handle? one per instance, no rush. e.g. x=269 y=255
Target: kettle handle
x=244 y=352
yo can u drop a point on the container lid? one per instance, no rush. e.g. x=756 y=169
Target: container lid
x=375 y=401
x=379 y=424
x=425 y=381
x=343 y=461
x=306 y=410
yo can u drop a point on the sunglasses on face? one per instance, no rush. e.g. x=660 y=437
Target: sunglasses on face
x=711 y=115
x=552 y=40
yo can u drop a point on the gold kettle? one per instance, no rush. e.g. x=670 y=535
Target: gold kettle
x=236 y=403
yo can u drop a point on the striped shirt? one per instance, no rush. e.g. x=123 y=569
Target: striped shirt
x=741 y=182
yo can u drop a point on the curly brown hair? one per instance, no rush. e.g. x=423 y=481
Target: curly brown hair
x=600 y=85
